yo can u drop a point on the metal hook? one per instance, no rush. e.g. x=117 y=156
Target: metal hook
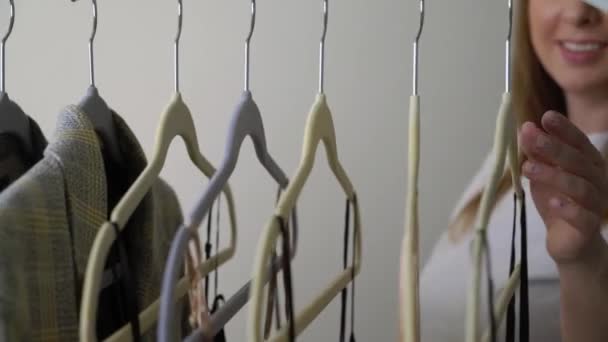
x=247 y=43
x=322 y=47
x=508 y=48
x=176 y=43
x=2 y=45
x=416 y=48
x=91 y=41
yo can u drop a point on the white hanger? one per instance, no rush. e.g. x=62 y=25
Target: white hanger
x=503 y=300
x=319 y=128
x=175 y=121
x=410 y=259
x=505 y=148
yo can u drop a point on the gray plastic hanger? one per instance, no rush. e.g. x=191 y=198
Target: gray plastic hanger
x=96 y=108
x=246 y=122
x=600 y=4
x=12 y=118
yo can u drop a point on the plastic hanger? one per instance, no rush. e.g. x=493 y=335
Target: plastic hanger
x=246 y=122
x=234 y=305
x=410 y=257
x=319 y=129
x=505 y=148
x=503 y=300
x=175 y=121
x=599 y=4
x=96 y=108
x=12 y=118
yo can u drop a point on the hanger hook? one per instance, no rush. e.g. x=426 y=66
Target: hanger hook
x=91 y=42
x=3 y=43
x=180 y=12
x=416 y=49
x=247 y=43
x=322 y=47
x=508 y=47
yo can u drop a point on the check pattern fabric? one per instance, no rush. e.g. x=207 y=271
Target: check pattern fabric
x=49 y=218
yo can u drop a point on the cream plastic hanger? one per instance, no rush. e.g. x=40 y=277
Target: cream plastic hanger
x=410 y=260
x=175 y=121
x=246 y=122
x=319 y=128
x=505 y=147
x=503 y=301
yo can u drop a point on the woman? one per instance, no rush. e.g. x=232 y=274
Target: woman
x=561 y=99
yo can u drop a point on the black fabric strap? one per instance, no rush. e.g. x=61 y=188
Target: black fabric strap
x=345 y=290
x=128 y=287
x=344 y=265
x=352 y=293
x=208 y=249
x=271 y=298
x=524 y=314
x=217 y=250
x=218 y=298
x=287 y=280
x=490 y=283
x=510 y=331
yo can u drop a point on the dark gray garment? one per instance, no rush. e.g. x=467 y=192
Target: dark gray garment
x=48 y=222
x=18 y=151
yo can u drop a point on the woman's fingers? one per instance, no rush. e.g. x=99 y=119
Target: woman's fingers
x=559 y=126
x=541 y=146
x=580 y=190
x=578 y=217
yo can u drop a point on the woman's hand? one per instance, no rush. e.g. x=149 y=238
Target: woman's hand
x=569 y=185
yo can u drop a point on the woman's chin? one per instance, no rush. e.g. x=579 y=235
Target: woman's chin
x=585 y=82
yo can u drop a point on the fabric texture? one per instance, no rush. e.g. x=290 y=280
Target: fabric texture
x=13 y=160
x=49 y=218
x=450 y=263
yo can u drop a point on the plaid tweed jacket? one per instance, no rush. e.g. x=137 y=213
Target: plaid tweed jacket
x=49 y=218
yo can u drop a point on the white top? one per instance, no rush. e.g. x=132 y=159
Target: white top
x=445 y=278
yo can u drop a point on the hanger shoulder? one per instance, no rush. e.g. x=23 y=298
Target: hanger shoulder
x=319 y=128
x=175 y=121
x=250 y=123
x=14 y=121
x=246 y=121
x=326 y=126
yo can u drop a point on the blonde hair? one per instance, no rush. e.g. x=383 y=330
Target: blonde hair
x=534 y=92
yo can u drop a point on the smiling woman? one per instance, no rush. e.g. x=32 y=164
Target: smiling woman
x=560 y=82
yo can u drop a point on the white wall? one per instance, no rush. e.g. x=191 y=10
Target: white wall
x=368 y=86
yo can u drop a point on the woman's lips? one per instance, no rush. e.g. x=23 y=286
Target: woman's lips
x=582 y=52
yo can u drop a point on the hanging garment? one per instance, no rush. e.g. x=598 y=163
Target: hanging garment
x=48 y=221
x=14 y=161
x=449 y=263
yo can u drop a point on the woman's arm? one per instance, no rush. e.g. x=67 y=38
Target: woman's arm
x=569 y=185
x=584 y=296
